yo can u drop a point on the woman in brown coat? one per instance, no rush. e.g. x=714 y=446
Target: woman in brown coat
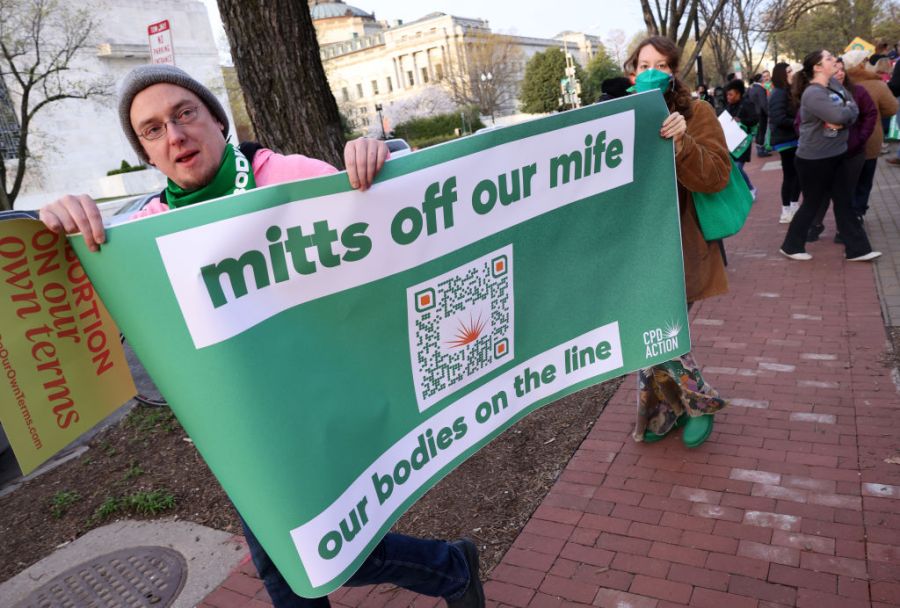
x=886 y=103
x=674 y=393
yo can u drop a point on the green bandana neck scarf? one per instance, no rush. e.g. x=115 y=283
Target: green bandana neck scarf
x=234 y=175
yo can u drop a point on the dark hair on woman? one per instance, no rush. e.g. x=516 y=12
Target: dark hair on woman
x=736 y=85
x=804 y=77
x=678 y=98
x=780 y=76
x=780 y=81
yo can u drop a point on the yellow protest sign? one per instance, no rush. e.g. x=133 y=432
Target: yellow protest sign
x=858 y=44
x=62 y=367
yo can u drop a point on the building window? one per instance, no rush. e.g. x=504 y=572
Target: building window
x=345 y=95
x=390 y=84
x=410 y=77
x=374 y=87
x=9 y=126
x=438 y=71
x=425 y=75
x=359 y=92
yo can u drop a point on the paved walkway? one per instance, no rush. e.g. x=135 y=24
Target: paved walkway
x=794 y=500
x=883 y=224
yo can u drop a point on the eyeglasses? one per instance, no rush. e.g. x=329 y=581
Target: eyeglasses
x=185 y=116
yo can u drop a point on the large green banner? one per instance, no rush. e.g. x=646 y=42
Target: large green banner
x=333 y=353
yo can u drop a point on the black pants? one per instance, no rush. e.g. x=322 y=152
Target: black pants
x=761 y=132
x=822 y=179
x=790 y=182
x=864 y=186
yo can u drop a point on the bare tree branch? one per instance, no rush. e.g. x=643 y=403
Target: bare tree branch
x=718 y=6
x=487 y=75
x=39 y=39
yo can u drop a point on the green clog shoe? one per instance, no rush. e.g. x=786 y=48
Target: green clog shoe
x=697 y=430
x=651 y=437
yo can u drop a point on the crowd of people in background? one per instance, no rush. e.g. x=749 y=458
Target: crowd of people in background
x=828 y=119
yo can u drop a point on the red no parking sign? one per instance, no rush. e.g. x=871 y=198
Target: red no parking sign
x=161 y=48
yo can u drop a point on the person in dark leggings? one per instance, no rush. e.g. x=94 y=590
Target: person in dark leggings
x=784 y=139
x=826 y=109
x=855 y=158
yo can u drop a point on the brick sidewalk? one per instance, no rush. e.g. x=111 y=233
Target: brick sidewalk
x=790 y=502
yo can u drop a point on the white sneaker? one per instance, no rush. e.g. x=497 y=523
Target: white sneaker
x=865 y=258
x=753 y=193
x=794 y=206
x=786 y=215
x=885 y=148
x=800 y=257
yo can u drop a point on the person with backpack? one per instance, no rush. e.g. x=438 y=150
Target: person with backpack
x=742 y=110
x=177 y=125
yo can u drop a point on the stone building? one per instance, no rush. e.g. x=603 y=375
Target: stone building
x=74 y=143
x=371 y=62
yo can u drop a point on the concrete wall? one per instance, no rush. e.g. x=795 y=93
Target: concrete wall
x=76 y=141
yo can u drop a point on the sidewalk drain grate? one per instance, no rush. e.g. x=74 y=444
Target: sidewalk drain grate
x=136 y=577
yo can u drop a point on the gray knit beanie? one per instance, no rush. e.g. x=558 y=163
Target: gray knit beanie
x=144 y=76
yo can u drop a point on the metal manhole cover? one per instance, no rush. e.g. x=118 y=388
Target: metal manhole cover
x=133 y=577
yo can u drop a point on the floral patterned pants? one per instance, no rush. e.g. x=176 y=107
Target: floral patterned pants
x=670 y=389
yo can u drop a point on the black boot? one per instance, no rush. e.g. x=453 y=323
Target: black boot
x=474 y=594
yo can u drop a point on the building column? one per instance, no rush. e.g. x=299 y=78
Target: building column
x=401 y=76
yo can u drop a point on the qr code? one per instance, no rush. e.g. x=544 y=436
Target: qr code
x=460 y=325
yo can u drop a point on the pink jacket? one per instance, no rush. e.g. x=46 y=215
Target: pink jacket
x=268 y=168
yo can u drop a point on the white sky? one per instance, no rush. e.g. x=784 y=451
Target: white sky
x=538 y=19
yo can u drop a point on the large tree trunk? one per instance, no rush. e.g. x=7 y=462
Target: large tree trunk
x=276 y=57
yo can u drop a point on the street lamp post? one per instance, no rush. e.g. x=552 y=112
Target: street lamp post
x=487 y=82
x=569 y=85
x=378 y=109
x=700 y=54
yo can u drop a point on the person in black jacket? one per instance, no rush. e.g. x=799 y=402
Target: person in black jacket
x=783 y=137
x=743 y=111
x=759 y=97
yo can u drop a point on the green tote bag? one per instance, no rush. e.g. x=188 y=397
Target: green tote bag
x=723 y=213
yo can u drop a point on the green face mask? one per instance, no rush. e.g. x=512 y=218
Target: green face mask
x=650 y=80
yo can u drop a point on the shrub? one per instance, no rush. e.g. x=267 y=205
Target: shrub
x=425 y=142
x=440 y=125
x=125 y=168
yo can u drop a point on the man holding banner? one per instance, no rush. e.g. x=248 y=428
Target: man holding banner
x=177 y=125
